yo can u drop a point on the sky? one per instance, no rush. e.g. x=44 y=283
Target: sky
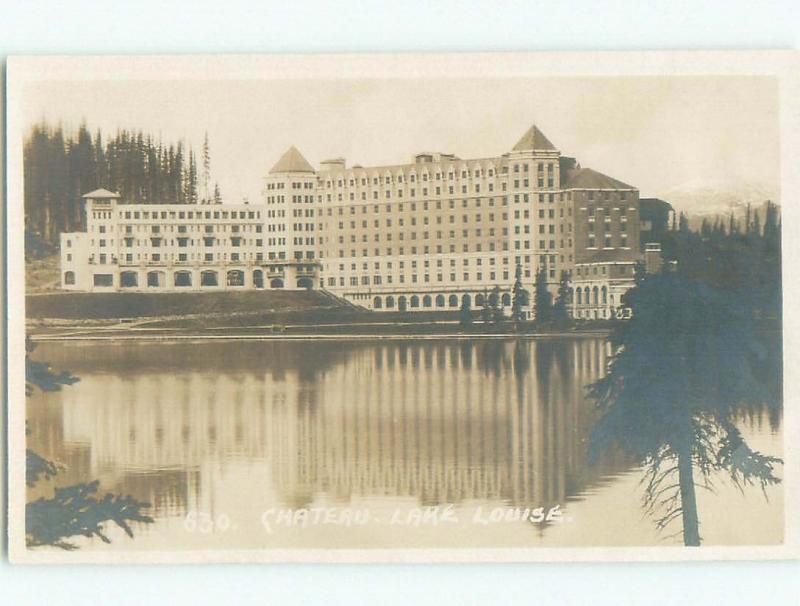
x=662 y=134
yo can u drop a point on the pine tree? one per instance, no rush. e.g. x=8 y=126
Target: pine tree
x=206 y=170
x=543 y=303
x=464 y=314
x=561 y=312
x=519 y=297
x=217 y=194
x=683 y=223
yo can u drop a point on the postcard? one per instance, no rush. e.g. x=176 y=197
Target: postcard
x=371 y=308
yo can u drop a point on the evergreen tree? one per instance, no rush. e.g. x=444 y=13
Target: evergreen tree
x=683 y=223
x=519 y=296
x=496 y=313
x=464 y=314
x=543 y=303
x=217 y=194
x=561 y=313
x=59 y=168
x=688 y=364
x=72 y=511
x=206 y=170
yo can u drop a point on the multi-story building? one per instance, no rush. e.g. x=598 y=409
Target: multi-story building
x=427 y=235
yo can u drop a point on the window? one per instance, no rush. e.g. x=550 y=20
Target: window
x=103 y=279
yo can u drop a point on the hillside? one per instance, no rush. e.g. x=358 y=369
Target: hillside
x=106 y=306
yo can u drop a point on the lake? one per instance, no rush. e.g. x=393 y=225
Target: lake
x=362 y=444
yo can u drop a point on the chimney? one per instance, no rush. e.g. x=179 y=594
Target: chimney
x=652 y=257
x=333 y=164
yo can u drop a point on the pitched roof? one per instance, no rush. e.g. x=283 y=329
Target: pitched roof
x=586 y=178
x=534 y=139
x=101 y=193
x=292 y=161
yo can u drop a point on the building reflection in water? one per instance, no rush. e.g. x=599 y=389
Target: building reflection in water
x=440 y=421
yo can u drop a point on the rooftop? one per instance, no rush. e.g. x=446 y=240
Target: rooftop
x=586 y=178
x=292 y=161
x=101 y=193
x=534 y=139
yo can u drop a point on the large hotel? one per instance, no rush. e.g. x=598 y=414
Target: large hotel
x=428 y=235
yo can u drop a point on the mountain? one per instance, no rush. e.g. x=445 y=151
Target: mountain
x=714 y=201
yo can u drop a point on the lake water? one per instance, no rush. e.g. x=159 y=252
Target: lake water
x=362 y=444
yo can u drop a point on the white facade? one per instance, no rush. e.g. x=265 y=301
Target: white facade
x=419 y=236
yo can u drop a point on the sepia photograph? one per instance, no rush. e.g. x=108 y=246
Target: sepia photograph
x=505 y=307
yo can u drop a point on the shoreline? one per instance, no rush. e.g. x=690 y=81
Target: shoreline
x=309 y=336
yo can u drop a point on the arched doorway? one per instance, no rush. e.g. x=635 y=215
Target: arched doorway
x=306 y=283
x=453 y=301
x=414 y=301
x=426 y=301
x=377 y=303
x=390 y=302
x=480 y=300
x=276 y=283
x=402 y=305
x=506 y=299
x=69 y=277
x=466 y=301
x=439 y=300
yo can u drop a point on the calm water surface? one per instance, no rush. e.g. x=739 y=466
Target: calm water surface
x=363 y=444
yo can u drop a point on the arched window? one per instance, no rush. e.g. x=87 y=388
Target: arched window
x=587 y=297
x=580 y=295
x=480 y=300
x=305 y=283
x=155 y=279
x=595 y=296
x=258 y=278
x=506 y=299
x=426 y=301
x=235 y=277
x=208 y=278
x=604 y=292
x=276 y=283
x=414 y=301
x=453 y=301
x=69 y=277
x=377 y=303
x=183 y=278
x=390 y=302
x=402 y=305
x=492 y=299
x=129 y=279
x=439 y=300
x=466 y=301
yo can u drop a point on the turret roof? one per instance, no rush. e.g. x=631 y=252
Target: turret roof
x=292 y=161
x=534 y=139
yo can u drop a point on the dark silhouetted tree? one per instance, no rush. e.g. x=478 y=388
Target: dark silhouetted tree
x=519 y=297
x=543 y=300
x=561 y=307
x=687 y=365
x=464 y=314
x=73 y=510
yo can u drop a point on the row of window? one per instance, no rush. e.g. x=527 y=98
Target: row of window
x=463 y=173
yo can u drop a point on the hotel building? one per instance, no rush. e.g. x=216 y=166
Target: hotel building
x=427 y=235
